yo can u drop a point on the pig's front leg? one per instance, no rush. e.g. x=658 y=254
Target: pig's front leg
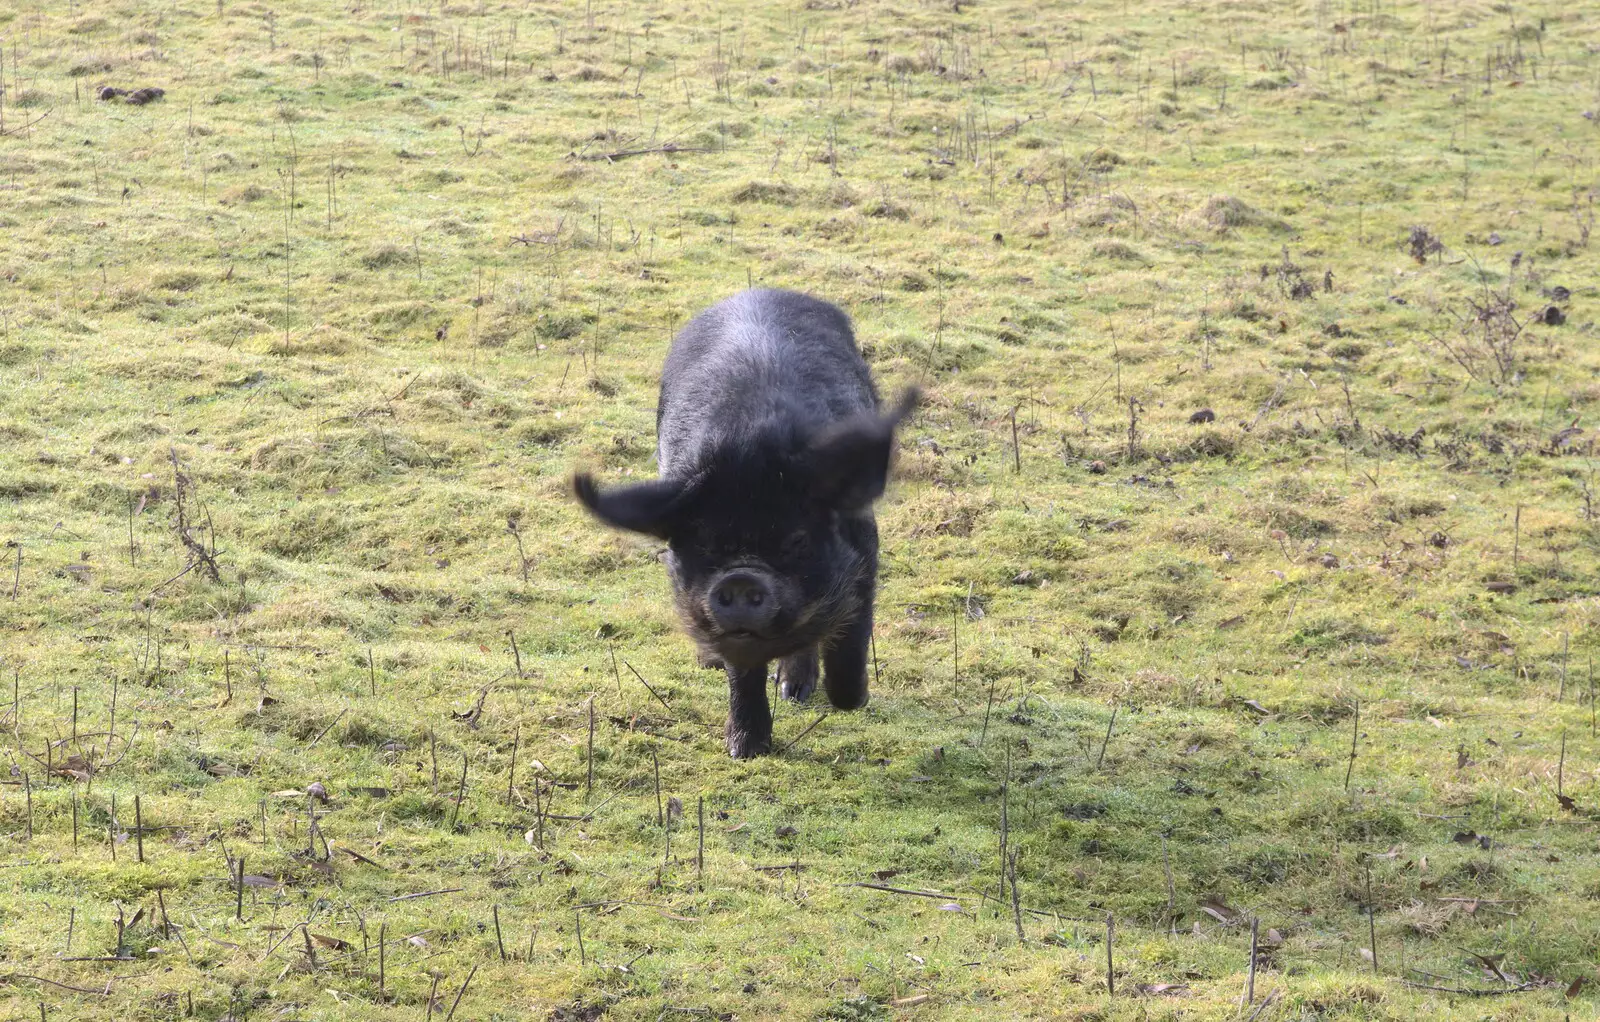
x=844 y=659
x=844 y=663
x=797 y=675
x=749 y=715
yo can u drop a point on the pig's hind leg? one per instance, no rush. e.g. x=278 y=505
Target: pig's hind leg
x=749 y=714
x=797 y=675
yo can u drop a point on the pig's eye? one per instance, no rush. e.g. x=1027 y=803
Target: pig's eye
x=796 y=543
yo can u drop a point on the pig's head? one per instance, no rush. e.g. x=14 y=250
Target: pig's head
x=764 y=538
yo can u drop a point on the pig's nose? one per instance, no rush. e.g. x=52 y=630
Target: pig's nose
x=742 y=602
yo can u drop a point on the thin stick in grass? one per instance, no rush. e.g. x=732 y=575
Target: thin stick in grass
x=1016 y=898
x=1172 y=891
x=1250 y=980
x=1372 y=925
x=511 y=779
x=383 y=935
x=588 y=781
x=1005 y=820
x=1111 y=934
x=1516 y=540
x=1355 y=736
x=987 y=708
x=516 y=653
x=498 y=940
x=655 y=763
x=1016 y=445
x=877 y=682
x=461 y=793
x=648 y=686
x=461 y=993
x=1561 y=766
x=955 y=652
x=1112 y=723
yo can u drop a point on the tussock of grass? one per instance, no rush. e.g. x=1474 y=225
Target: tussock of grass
x=1225 y=212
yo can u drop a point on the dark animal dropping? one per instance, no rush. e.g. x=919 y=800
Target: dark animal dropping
x=773 y=450
x=1203 y=416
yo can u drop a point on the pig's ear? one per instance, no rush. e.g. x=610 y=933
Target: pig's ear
x=849 y=461
x=653 y=508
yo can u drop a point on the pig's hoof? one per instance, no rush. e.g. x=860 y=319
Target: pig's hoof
x=797 y=677
x=743 y=745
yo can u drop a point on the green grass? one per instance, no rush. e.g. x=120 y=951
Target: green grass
x=365 y=273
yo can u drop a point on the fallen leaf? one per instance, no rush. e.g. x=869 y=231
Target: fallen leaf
x=333 y=942
x=1163 y=989
x=1258 y=707
x=1231 y=622
x=1216 y=909
x=1577 y=985
x=786 y=831
x=1567 y=803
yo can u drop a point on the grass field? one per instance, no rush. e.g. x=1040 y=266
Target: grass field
x=298 y=358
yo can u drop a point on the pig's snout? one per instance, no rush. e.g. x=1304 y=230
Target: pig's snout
x=742 y=601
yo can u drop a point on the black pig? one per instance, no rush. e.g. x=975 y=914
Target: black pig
x=772 y=451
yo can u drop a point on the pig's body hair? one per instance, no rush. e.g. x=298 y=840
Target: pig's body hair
x=754 y=377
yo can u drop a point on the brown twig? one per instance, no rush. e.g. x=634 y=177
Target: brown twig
x=802 y=734
x=423 y=894
x=622 y=154
x=646 y=684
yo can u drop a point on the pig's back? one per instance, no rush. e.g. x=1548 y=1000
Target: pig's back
x=769 y=364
